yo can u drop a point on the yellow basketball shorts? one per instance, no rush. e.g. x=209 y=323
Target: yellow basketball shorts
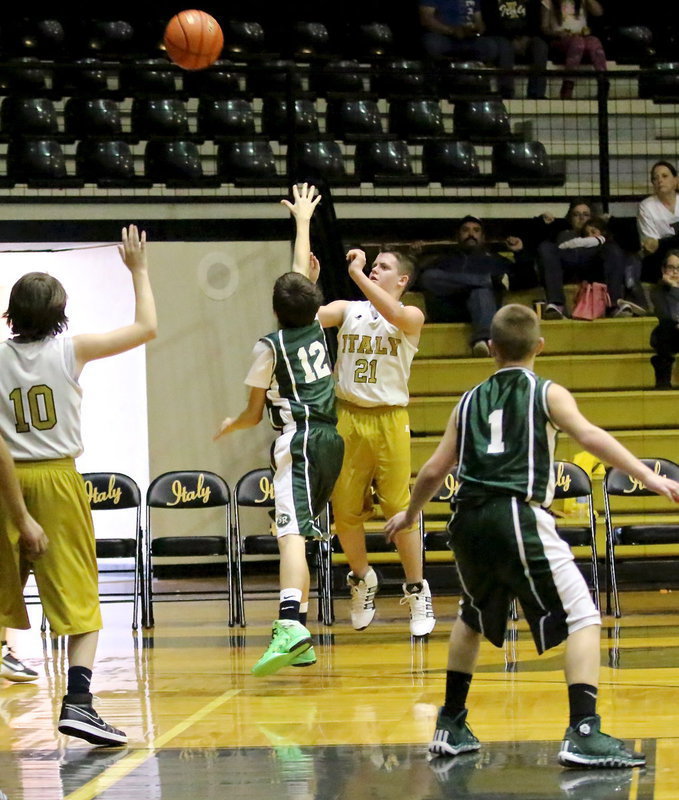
x=376 y=453
x=67 y=574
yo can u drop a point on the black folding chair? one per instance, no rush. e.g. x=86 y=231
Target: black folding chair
x=571 y=481
x=620 y=484
x=255 y=490
x=188 y=489
x=110 y=491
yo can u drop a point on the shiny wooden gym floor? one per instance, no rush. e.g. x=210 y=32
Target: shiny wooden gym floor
x=353 y=727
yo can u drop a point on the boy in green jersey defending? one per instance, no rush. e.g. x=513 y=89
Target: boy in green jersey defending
x=292 y=376
x=501 y=436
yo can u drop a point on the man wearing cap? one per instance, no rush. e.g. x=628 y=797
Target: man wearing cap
x=466 y=285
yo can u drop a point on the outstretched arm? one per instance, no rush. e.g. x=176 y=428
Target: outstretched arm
x=302 y=209
x=429 y=478
x=409 y=319
x=32 y=537
x=91 y=346
x=250 y=416
x=565 y=413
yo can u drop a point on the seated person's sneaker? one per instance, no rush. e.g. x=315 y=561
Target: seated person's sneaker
x=363 y=591
x=289 y=639
x=480 y=349
x=305 y=659
x=422 y=619
x=586 y=746
x=552 y=311
x=630 y=309
x=11 y=669
x=453 y=736
x=78 y=718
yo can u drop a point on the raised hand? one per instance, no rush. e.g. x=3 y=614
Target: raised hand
x=356 y=259
x=304 y=201
x=133 y=248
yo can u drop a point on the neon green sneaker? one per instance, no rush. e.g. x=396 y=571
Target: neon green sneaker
x=289 y=639
x=586 y=746
x=305 y=659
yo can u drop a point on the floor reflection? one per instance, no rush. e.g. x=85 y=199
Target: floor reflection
x=370 y=772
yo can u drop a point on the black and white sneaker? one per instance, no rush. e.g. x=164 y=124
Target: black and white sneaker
x=11 y=669
x=78 y=718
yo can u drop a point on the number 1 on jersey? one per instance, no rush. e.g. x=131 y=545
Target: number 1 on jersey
x=496 y=445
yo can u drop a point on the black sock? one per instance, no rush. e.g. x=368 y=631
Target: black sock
x=414 y=588
x=79 y=680
x=288 y=609
x=581 y=701
x=457 y=689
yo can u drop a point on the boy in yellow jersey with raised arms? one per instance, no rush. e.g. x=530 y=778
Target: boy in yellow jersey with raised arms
x=377 y=340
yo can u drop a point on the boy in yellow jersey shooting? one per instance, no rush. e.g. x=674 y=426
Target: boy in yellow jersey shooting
x=40 y=420
x=377 y=340
x=501 y=436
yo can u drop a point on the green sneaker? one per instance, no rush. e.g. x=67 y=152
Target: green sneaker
x=305 y=659
x=586 y=746
x=289 y=639
x=453 y=736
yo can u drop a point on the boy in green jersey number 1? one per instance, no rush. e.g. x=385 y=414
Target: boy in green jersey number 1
x=501 y=436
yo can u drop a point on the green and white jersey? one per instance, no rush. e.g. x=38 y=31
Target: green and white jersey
x=506 y=439
x=293 y=366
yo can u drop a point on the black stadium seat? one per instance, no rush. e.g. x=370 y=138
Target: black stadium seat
x=85 y=116
x=219 y=117
x=481 y=120
x=248 y=163
x=451 y=162
x=275 y=121
x=525 y=164
x=386 y=163
x=354 y=119
x=416 y=119
x=176 y=163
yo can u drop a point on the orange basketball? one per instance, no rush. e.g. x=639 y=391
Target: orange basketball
x=193 y=39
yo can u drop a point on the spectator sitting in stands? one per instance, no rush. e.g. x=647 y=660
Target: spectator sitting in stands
x=665 y=336
x=595 y=233
x=455 y=28
x=564 y=22
x=555 y=264
x=468 y=283
x=657 y=219
x=519 y=22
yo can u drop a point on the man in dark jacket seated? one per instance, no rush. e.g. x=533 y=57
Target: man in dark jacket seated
x=467 y=284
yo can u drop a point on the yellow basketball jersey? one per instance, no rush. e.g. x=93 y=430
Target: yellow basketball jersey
x=373 y=359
